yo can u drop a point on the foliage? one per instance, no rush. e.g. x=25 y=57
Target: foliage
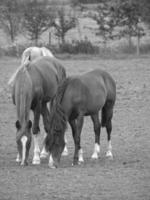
x=38 y=18
x=144 y=6
x=86 y=1
x=10 y=17
x=105 y=20
x=76 y=47
x=128 y=17
x=63 y=24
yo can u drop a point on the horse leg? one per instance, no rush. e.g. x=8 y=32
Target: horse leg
x=65 y=151
x=107 y=114
x=74 y=129
x=97 y=128
x=46 y=116
x=76 y=132
x=18 y=159
x=36 y=132
x=109 y=149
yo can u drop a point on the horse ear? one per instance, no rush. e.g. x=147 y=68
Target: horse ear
x=29 y=124
x=18 y=125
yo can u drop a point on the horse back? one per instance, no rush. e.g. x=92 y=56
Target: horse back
x=44 y=77
x=85 y=93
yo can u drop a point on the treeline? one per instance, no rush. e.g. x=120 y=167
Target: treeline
x=115 y=19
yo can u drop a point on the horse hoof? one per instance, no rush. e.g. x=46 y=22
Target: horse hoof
x=18 y=160
x=109 y=155
x=36 y=162
x=95 y=156
x=75 y=162
x=52 y=166
x=43 y=155
x=24 y=164
x=81 y=160
x=65 y=152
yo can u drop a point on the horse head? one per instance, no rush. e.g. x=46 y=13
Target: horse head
x=54 y=141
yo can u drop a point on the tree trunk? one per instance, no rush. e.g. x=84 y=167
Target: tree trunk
x=130 y=41
x=79 y=30
x=11 y=31
x=138 y=45
x=63 y=39
x=50 y=39
x=36 y=39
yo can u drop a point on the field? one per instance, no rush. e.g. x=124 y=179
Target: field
x=125 y=177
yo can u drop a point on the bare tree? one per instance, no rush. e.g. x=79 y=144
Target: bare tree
x=38 y=18
x=63 y=24
x=129 y=19
x=105 y=21
x=10 y=17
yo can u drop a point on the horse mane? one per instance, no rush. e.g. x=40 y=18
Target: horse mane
x=58 y=117
x=61 y=72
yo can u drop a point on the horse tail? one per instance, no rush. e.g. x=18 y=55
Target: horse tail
x=25 y=63
x=23 y=96
x=107 y=113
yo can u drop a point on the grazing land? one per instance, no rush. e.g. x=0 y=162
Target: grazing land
x=125 y=177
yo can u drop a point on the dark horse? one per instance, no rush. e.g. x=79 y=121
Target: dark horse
x=77 y=97
x=35 y=84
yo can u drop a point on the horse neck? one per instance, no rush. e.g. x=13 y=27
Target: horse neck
x=23 y=96
x=58 y=114
x=61 y=72
x=61 y=91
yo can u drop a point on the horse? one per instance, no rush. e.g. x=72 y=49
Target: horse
x=35 y=84
x=28 y=55
x=79 y=96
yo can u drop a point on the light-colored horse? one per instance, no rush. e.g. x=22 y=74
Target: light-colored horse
x=28 y=55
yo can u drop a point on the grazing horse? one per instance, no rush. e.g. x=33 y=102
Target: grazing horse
x=77 y=97
x=30 y=54
x=35 y=84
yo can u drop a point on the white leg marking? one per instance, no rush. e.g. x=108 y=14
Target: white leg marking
x=51 y=162
x=109 y=151
x=81 y=160
x=65 y=151
x=36 y=156
x=96 y=152
x=24 y=141
x=18 y=159
x=43 y=153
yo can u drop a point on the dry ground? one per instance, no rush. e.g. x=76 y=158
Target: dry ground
x=127 y=177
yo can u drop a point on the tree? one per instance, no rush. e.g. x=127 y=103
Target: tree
x=10 y=17
x=144 y=6
x=63 y=24
x=129 y=18
x=38 y=18
x=105 y=21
